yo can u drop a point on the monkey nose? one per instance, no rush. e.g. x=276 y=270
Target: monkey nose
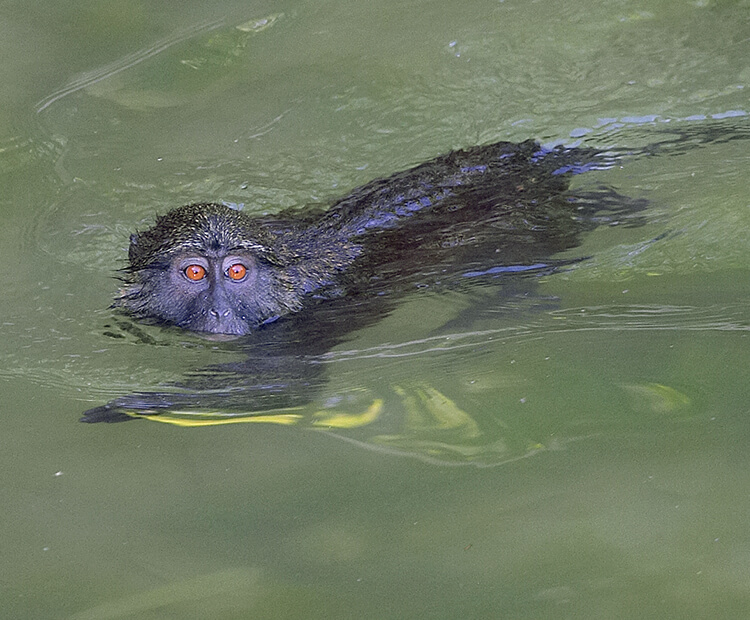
x=220 y=314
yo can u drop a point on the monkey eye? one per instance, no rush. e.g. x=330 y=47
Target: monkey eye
x=195 y=272
x=236 y=272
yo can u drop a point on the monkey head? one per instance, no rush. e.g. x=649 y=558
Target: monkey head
x=209 y=268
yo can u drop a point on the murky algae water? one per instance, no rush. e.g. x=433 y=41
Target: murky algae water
x=570 y=445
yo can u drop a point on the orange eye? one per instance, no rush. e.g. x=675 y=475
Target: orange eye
x=195 y=272
x=237 y=271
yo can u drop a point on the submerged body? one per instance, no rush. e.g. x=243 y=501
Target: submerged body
x=296 y=284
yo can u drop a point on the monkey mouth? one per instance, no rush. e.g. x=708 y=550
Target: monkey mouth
x=218 y=337
x=217 y=327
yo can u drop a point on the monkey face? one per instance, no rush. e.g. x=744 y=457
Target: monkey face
x=201 y=292
x=209 y=269
x=213 y=292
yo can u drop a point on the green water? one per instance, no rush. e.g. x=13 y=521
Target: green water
x=579 y=454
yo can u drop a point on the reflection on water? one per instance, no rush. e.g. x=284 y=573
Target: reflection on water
x=420 y=421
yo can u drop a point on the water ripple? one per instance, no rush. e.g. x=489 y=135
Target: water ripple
x=127 y=62
x=585 y=318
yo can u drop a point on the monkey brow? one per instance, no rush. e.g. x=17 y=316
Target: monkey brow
x=249 y=245
x=213 y=246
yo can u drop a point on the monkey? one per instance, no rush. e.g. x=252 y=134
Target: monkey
x=208 y=268
x=291 y=286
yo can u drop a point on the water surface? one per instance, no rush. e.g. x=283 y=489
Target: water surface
x=578 y=452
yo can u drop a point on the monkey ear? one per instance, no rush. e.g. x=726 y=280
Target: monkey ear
x=133 y=250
